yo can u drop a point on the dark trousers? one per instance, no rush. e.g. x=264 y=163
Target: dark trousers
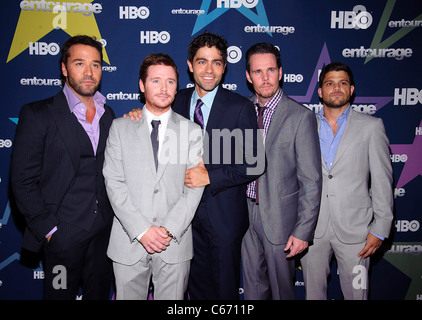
x=76 y=259
x=215 y=267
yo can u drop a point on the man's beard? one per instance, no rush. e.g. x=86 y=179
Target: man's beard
x=336 y=103
x=78 y=88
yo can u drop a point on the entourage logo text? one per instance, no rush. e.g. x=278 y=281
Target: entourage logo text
x=85 y=8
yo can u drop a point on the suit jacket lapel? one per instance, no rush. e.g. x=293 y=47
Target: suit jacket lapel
x=105 y=123
x=173 y=126
x=324 y=165
x=144 y=136
x=65 y=121
x=182 y=106
x=276 y=122
x=217 y=111
x=349 y=136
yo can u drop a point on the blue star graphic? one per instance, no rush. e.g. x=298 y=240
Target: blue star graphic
x=205 y=19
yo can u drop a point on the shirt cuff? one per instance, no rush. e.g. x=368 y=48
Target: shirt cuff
x=51 y=232
x=378 y=236
x=140 y=236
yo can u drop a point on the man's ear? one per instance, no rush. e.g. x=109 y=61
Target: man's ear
x=141 y=85
x=248 y=77
x=190 y=66
x=64 y=70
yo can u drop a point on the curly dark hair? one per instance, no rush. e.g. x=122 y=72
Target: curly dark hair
x=209 y=40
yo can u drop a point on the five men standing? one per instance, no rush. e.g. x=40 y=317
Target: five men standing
x=173 y=202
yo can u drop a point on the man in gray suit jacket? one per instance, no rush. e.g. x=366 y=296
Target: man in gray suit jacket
x=357 y=198
x=151 y=233
x=283 y=203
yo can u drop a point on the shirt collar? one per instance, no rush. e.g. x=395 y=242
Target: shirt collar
x=208 y=99
x=273 y=102
x=344 y=115
x=149 y=116
x=73 y=100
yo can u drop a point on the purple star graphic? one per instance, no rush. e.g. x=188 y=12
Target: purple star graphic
x=324 y=59
x=412 y=167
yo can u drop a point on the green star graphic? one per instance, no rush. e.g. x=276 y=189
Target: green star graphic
x=407 y=257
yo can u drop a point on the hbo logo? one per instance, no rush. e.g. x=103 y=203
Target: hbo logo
x=291 y=77
x=42 y=48
x=398 y=157
x=359 y=18
x=155 y=37
x=237 y=3
x=130 y=12
x=405 y=225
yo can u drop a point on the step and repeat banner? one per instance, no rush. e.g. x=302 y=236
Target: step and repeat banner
x=380 y=41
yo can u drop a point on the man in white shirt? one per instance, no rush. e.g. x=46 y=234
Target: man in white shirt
x=151 y=233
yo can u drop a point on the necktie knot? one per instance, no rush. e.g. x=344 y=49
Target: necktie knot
x=261 y=110
x=155 y=123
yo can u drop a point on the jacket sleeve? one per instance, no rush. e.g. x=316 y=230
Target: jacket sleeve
x=26 y=170
x=309 y=176
x=381 y=181
x=248 y=161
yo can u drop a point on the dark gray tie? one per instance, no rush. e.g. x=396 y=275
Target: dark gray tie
x=154 y=140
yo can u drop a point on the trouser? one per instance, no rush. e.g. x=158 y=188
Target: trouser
x=76 y=259
x=169 y=280
x=353 y=271
x=267 y=274
x=215 y=268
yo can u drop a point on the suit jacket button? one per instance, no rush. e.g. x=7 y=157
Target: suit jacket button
x=156 y=191
x=330 y=176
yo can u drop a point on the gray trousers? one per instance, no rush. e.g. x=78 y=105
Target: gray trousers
x=169 y=280
x=352 y=270
x=267 y=274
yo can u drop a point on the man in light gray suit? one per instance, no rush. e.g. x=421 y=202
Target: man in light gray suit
x=357 y=197
x=151 y=233
x=283 y=203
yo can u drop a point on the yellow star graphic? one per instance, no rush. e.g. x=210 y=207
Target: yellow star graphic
x=36 y=20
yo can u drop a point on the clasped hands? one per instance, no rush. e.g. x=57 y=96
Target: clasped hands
x=156 y=239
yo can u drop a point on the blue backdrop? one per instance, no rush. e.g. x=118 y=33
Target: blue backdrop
x=379 y=40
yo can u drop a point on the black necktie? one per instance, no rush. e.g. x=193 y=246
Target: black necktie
x=154 y=140
x=197 y=116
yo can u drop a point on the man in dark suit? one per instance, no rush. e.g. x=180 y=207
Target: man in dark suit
x=283 y=203
x=222 y=217
x=57 y=181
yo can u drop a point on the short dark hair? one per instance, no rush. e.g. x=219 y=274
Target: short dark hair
x=156 y=59
x=336 y=66
x=81 y=39
x=263 y=47
x=209 y=40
